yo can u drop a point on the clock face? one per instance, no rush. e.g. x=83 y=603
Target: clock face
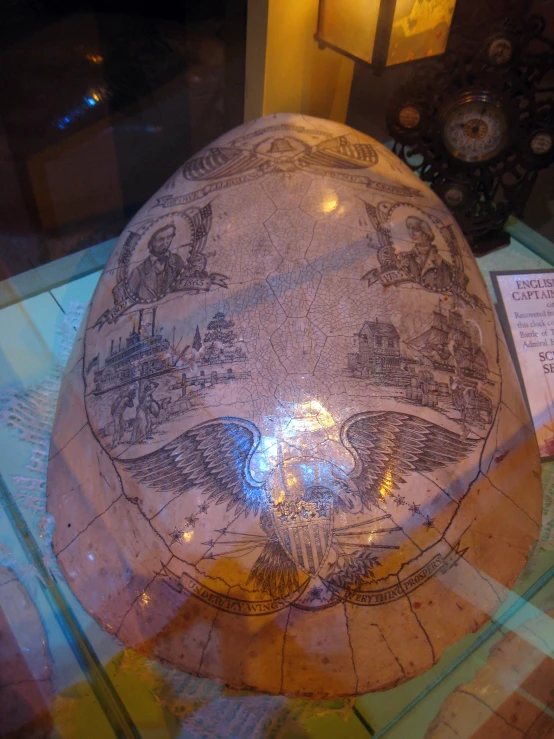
x=409 y=117
x=454 y=196
x=475 y=129
x=500 y=51
x=541 y=143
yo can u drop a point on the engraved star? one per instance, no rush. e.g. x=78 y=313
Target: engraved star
x=414 y=508
x=203 y=508
x=429 y=522
x=175 y=535
x=400 y=500
x=315 y=593
x=190 y=521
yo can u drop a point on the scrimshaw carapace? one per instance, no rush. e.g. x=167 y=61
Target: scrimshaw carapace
x=290 y=450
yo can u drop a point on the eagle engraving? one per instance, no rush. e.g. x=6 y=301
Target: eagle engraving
x=285 y=154
x=299 y=497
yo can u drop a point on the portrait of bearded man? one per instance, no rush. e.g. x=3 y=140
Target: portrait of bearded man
x=160 y=271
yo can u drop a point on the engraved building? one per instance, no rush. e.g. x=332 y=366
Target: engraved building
x=378 y=350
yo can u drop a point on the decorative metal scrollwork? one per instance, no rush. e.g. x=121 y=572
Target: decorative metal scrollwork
x=508 y=67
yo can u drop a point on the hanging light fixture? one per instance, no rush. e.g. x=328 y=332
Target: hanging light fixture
x=384 y=33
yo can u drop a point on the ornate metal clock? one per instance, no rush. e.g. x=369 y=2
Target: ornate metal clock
x=478 y=124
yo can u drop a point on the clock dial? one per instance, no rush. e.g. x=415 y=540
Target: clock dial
x=487 y=117
x=409 y=117
x=500 y=51
x=475 y=128
x=541 y=143
x=454 y=196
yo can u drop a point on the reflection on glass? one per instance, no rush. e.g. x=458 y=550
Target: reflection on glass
x=92 y=98
x=94 y=58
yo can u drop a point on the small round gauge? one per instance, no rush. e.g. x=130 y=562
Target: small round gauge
x=409 y=117
x=454 y=196
x=500 y=50
x=475 y=128
x=541 y=143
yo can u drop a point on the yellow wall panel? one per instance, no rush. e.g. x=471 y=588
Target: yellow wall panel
x=286 y=71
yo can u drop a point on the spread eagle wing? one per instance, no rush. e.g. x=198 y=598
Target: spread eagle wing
x=389 y=446
x=339 y=153
x=220 y=162
x=214 y=456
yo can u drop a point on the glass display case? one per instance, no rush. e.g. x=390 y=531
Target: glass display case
x=98 y=106
x=80 y=681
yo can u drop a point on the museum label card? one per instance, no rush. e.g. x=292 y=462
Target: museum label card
x=526 y=310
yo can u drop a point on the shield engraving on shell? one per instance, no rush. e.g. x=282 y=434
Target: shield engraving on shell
x=305 y=536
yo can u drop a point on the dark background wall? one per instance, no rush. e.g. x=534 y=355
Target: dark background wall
x=99 y=103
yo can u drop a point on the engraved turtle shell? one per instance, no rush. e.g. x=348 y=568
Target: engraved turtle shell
x=290 y=450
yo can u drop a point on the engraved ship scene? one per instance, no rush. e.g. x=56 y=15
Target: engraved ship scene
x=443 y=366
x=147 y=381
